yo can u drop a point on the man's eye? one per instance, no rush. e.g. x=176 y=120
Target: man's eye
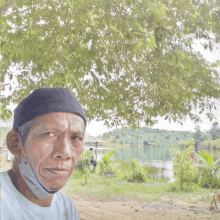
x=49 y=134
x=76 y=138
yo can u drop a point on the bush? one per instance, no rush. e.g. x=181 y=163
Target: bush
x=83 y=162
x=134 y=172
x=204 y=180
x=105 y=163
x=176 y=187
x=137 y=173
x=151 y=171
x=184 y=170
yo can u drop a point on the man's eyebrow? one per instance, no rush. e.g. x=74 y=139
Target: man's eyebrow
x=55 y=129
x=79 y=133
x=74 y=132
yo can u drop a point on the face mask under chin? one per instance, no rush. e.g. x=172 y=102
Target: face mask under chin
x=32 y=180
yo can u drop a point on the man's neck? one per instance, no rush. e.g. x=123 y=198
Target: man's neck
x=23 y=188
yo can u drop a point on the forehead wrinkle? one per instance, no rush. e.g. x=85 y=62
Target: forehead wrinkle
x=59 y=122
x=69 y=129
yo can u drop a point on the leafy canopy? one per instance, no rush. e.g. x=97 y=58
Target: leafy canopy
x=127 y=61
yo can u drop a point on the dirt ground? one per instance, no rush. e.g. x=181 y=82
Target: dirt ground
x=90 y=208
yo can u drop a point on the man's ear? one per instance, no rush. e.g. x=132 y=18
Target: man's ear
x=14 y=143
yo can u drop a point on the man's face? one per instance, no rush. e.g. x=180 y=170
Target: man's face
x=55 y=141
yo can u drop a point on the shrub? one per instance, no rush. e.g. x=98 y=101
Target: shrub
x=204 y=180
x=151 y=171
x=83 y=164
x=176 y=187
x=184 y=170
x=105 y=163
x=207 y=170
x=83 y=161
x=137 y=173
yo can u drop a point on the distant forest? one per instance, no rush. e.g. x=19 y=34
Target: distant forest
x=146 y=137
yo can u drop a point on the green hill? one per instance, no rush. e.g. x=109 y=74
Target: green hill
x=147 y=137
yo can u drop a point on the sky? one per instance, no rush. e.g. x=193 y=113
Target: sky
x=95 y=128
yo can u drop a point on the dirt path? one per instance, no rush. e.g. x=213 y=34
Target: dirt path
x=90 y=208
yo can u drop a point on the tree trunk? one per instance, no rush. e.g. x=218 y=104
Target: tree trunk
x=96 y=151
x=196 y=147
x=181 y=179
x=85 y=176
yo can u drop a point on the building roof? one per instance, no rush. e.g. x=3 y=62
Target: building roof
x=91 y=139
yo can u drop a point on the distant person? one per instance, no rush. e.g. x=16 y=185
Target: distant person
x=46 y=141
x=93 y=162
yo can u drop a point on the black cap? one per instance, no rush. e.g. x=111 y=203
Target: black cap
x=46 y=100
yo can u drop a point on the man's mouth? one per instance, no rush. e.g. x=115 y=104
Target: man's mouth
x=57 y=171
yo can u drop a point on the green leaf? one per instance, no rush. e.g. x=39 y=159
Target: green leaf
x=56 y=69
x=216 y=162
x=210 y=161
x=135 y=41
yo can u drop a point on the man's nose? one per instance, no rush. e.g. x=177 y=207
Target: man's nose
x=62 y=148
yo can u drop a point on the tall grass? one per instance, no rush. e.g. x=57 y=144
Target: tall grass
x=149 y=190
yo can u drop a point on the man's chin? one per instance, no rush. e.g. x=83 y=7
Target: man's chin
x=56 y=186
x=55 y=183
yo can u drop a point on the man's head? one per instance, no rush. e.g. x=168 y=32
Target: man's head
x=52 y=134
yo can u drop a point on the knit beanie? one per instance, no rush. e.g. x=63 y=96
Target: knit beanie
x=46 y=100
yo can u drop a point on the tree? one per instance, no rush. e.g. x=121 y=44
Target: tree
x=182 y=165
x=197 y=137
x=126 y=61
x=215 y=131
x=146 y=146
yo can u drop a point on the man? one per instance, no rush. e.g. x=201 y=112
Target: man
x=93 y=162
x=46 y=141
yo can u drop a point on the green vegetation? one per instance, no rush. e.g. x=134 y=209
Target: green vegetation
x=126 y=61
x=83 y=164
x=152 y=188
x=104 y=186
x=210 y=169
x=138 y=175
x=184 y=171
x=145 y=138
x=143 y=182
x=105 y=163
x=120 y=185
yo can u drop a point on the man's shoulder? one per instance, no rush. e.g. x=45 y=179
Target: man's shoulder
x=61 y=198
x=67 y=205
x=3 y=173
x=4 y=176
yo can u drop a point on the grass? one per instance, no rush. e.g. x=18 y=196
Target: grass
x=150 y=190
x=107 y=187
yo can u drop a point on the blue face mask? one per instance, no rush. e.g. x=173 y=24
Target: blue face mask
x=32 y=180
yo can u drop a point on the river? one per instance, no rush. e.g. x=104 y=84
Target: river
x=151 y=157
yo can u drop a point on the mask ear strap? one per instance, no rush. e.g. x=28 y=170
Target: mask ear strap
x=21 y=146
